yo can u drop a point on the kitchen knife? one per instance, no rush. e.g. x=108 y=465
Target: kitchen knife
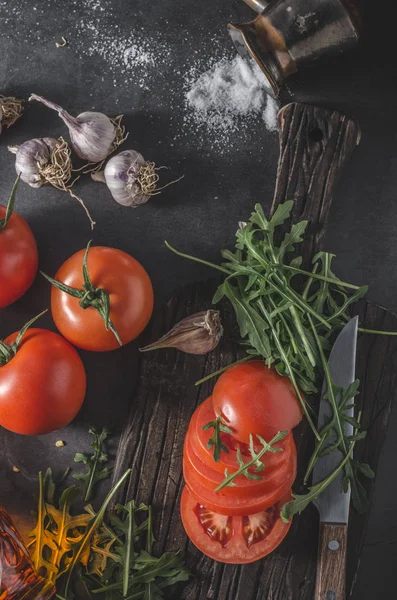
x=333 y=503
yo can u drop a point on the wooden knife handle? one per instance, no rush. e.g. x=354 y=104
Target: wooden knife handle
x=315 y=144
x=331 y=564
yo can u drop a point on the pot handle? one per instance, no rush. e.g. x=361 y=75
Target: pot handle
x=257 y=5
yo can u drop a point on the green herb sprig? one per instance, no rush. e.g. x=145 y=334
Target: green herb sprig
x=96 y=472
x=106 y=554
x=215 y=440
x=289 y=316
x=255 y=461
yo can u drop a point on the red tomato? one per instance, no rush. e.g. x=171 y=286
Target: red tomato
x=233 y=539
x=43 y=386
x=226 y=504
x=210 y=478
x=253 y=399
x=199 y=439
x=131 y=299
x=18 y=258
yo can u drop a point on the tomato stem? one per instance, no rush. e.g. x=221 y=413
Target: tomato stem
x=89 y=296
x=8 y=352
x=10 y=204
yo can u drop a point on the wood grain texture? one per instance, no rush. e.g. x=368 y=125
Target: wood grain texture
x=315 y=145
x=152 y=440
x=331 y=563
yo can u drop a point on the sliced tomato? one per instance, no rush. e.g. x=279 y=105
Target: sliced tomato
x=233 y=539
x=211 y=478
x=253 y=399
x=228 y=460
x=224 y=503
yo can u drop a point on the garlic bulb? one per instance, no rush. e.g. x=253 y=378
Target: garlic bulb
x=197 y=334
x=10 y=110
x=93 y=135
x=47 y=160
x=126 y=176
x=32 y=157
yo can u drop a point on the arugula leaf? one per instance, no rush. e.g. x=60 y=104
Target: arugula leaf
x=95 y=473
x=301 y=501
x=215 y=440
x=292 y=237
x=255 y=461
x=289 y=317
x=57 y=533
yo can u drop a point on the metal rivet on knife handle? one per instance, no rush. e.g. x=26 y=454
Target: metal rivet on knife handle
x=333 y=545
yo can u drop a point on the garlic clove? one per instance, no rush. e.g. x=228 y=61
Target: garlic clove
x=92 y=134
x=197 y=334
x=31 y=157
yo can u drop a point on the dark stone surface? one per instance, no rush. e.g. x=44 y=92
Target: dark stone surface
x=200 y=213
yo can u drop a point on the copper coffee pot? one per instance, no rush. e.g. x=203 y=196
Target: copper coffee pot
x=290 y=35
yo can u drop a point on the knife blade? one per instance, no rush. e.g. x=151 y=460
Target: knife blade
x=333 y=503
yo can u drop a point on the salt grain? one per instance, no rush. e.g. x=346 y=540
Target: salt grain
x=228 y=97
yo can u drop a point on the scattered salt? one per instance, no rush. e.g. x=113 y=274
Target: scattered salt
x=228 y=97
x=269 y=115
x=214 y=98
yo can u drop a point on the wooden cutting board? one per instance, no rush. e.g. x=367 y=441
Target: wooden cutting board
x=315 y=144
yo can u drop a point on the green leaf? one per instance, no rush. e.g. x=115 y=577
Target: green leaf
x=92 y=526
x=251 y=324
x=219 y=294
x=215 y=440
x=300 y=502
x=10 y=204
x=281 y=214
x=291 y=238
x=254 y=461
x=94 y=463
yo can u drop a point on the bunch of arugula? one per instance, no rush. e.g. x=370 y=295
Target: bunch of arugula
x=289 y=317
x=90 y=553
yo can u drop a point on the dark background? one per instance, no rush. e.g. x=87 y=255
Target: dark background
x=200 y=213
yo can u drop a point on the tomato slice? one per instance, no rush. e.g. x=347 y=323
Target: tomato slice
x=199 y=439
x=233 y=539
x=254 y=399
x=211 y=478
x=226 y=504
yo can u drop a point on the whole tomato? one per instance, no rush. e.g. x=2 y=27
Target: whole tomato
x=18 y=254
x=254 y=400
x=42 y=383
x=95 y=280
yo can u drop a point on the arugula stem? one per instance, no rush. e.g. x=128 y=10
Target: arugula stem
x=223 y=369
x=333 y=401
x=40 y=524
x=299 y=503
x=126 y=569
x=267 y=446
x=291 y=295
x=301 y=331
x=94 y=524
x=309 y=282
x=314 y=458
x=199 y=260
x=149 y=539
x=376 y=331
x=315 y=276
x=290 y=370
